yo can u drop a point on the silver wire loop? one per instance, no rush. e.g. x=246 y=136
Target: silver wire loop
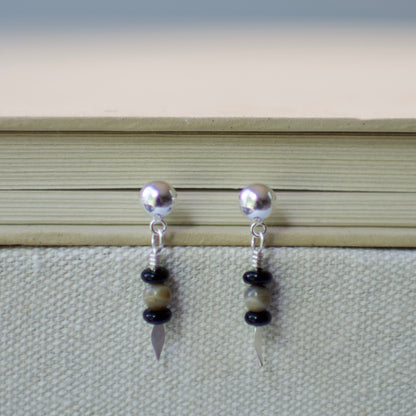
x=157 y=240
x=258 y=230
x=257 y=242
x=158 y=228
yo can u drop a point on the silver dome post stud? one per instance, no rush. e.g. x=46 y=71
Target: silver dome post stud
x=158 y=201
x=256 y=203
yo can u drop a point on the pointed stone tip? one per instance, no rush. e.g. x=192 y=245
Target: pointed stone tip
x=258 y=335
x=158 y=339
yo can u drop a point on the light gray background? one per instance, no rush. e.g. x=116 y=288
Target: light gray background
x=73 y=342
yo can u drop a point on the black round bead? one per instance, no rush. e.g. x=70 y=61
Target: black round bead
x=157 y=317
x=258 y=318
x=159 y=275
x=257 y=277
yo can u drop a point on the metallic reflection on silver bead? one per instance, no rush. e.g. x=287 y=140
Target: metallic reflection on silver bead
x=256 y=201
x=158 y=198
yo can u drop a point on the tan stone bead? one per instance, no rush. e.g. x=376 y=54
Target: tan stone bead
x=157 y=296
x=257 y=298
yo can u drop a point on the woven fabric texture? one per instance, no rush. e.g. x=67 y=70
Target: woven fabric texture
x=73 y=342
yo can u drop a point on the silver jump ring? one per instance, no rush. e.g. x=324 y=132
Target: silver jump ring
x=257 y=229
x=158 y=226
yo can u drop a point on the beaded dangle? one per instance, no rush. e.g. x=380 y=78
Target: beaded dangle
x=157 y=199
x=256 y=203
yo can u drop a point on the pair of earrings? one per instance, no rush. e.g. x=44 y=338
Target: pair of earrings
x=256 y=203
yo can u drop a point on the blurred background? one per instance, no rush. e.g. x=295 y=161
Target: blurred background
x=164 y=58
x=18 y=15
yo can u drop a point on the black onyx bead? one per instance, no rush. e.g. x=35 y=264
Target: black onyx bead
x=257 y=277
x=157 y=317
x=159 y=275
x=258 y=318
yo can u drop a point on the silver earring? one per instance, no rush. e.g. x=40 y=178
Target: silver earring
x=256 y=203
x=158 y=200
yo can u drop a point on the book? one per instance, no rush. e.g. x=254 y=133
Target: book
x=342 y=163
